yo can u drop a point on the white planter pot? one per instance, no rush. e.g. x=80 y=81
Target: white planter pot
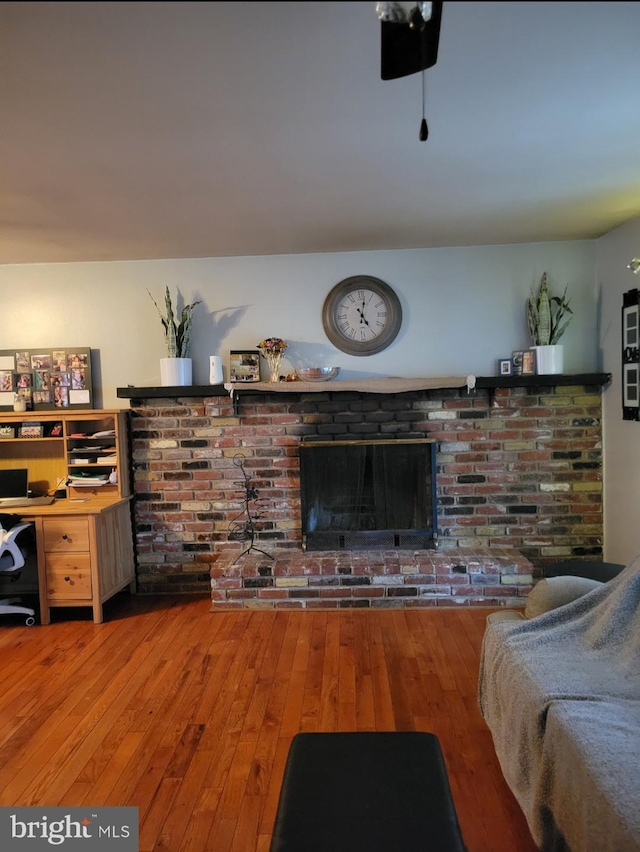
x=549 y=359
x=175 y=372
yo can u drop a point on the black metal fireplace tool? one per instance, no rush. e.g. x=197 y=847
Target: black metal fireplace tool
x=242 y=527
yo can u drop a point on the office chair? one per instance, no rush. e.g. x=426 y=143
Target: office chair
x=11 y=563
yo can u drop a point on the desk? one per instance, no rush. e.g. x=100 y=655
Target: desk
x=85 y=553
x=84 y=541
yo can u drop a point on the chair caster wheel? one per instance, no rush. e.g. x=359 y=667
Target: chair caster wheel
x=30 y=621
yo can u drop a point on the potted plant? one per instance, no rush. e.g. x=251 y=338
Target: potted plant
x=176 y=368
x=548 y=317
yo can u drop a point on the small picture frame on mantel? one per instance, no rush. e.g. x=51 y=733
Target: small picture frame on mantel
x=528 y=362
x=505 y=367
x=244 y=366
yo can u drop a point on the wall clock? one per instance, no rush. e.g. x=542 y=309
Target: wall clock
x=362 y=315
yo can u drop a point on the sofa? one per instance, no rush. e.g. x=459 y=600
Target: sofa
x=559 y=688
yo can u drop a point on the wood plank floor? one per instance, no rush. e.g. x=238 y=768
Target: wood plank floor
x=189 y=714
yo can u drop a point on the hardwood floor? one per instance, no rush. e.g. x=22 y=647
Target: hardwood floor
x=189 y=714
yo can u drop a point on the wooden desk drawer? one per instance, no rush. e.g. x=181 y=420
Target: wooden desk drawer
x=68 y=576
x=65 y=534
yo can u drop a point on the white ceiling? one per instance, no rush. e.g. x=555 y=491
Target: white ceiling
x=195 y=129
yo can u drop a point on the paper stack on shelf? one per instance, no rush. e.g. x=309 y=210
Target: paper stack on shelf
x=87 y=480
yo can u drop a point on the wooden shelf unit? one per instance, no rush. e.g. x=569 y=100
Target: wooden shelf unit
x=51 y=460
x=84 y=539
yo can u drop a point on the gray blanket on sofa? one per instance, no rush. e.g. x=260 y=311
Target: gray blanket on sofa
x=586 y=651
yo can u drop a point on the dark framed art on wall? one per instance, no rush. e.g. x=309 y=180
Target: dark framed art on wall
x=631 y=355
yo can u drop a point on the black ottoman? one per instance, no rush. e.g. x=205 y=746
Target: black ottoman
x=374 y=792
x=602 y=571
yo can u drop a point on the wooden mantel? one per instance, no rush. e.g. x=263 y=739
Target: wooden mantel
x=388 y=385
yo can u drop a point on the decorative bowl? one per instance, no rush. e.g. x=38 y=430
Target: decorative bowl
x=317 y=374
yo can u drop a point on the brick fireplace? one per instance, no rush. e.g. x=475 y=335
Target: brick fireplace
x=518 y=486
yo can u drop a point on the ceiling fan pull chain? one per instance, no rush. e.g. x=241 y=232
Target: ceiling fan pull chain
x=424 y=130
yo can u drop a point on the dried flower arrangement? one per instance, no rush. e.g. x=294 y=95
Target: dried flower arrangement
x=272 y=349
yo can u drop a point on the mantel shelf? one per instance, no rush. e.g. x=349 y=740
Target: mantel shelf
x=543 y=381
x=367 y=386
x=170 y=392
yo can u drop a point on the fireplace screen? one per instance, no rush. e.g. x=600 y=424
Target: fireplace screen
x=368 y=494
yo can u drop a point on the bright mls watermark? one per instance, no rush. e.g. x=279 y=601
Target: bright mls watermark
x=75 y=829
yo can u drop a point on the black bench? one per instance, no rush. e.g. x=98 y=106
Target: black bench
x=366 y=792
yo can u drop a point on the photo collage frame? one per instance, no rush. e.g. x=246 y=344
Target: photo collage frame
x=47 y=379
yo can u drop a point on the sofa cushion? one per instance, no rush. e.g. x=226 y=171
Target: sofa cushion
x=556 y=591
x=591 y=754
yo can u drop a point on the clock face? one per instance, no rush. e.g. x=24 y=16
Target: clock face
x=362 y=315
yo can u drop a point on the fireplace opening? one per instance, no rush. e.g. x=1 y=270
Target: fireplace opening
x=358 y=495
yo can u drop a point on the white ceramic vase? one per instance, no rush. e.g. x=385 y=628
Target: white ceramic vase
x=175 y=372
x=215 y=370
x=549 y=359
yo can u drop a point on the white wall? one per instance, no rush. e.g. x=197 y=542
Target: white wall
x=463 y=309
x=621 y=437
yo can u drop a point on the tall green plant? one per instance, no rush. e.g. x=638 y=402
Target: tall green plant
x=546 y=315
x=177 y=335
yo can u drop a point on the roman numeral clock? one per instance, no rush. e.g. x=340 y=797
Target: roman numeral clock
x=361 y=315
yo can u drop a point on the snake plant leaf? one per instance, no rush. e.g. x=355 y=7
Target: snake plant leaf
x=532 y=318
x=558 y=332
x=545 y=315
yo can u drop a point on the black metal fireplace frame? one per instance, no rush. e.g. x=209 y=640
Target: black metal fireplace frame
x=387 y=539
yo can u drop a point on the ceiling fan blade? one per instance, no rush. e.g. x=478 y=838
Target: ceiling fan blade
x=405 y=50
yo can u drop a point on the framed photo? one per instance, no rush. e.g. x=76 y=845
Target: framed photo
x=630 y=386
x=244 y=365
x=630 y=327
x=528 y=362
x=23 y=362
x=7 y=383
x=30 y=430
x=505 y=367
x=516 y=361
x=41 y=361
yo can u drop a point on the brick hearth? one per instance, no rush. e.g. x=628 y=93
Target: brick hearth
x=517 y=468
x=371 y=578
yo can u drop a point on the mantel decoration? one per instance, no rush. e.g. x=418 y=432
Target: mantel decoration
x=548 y=317
x=176 y=368
x=272 y=349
